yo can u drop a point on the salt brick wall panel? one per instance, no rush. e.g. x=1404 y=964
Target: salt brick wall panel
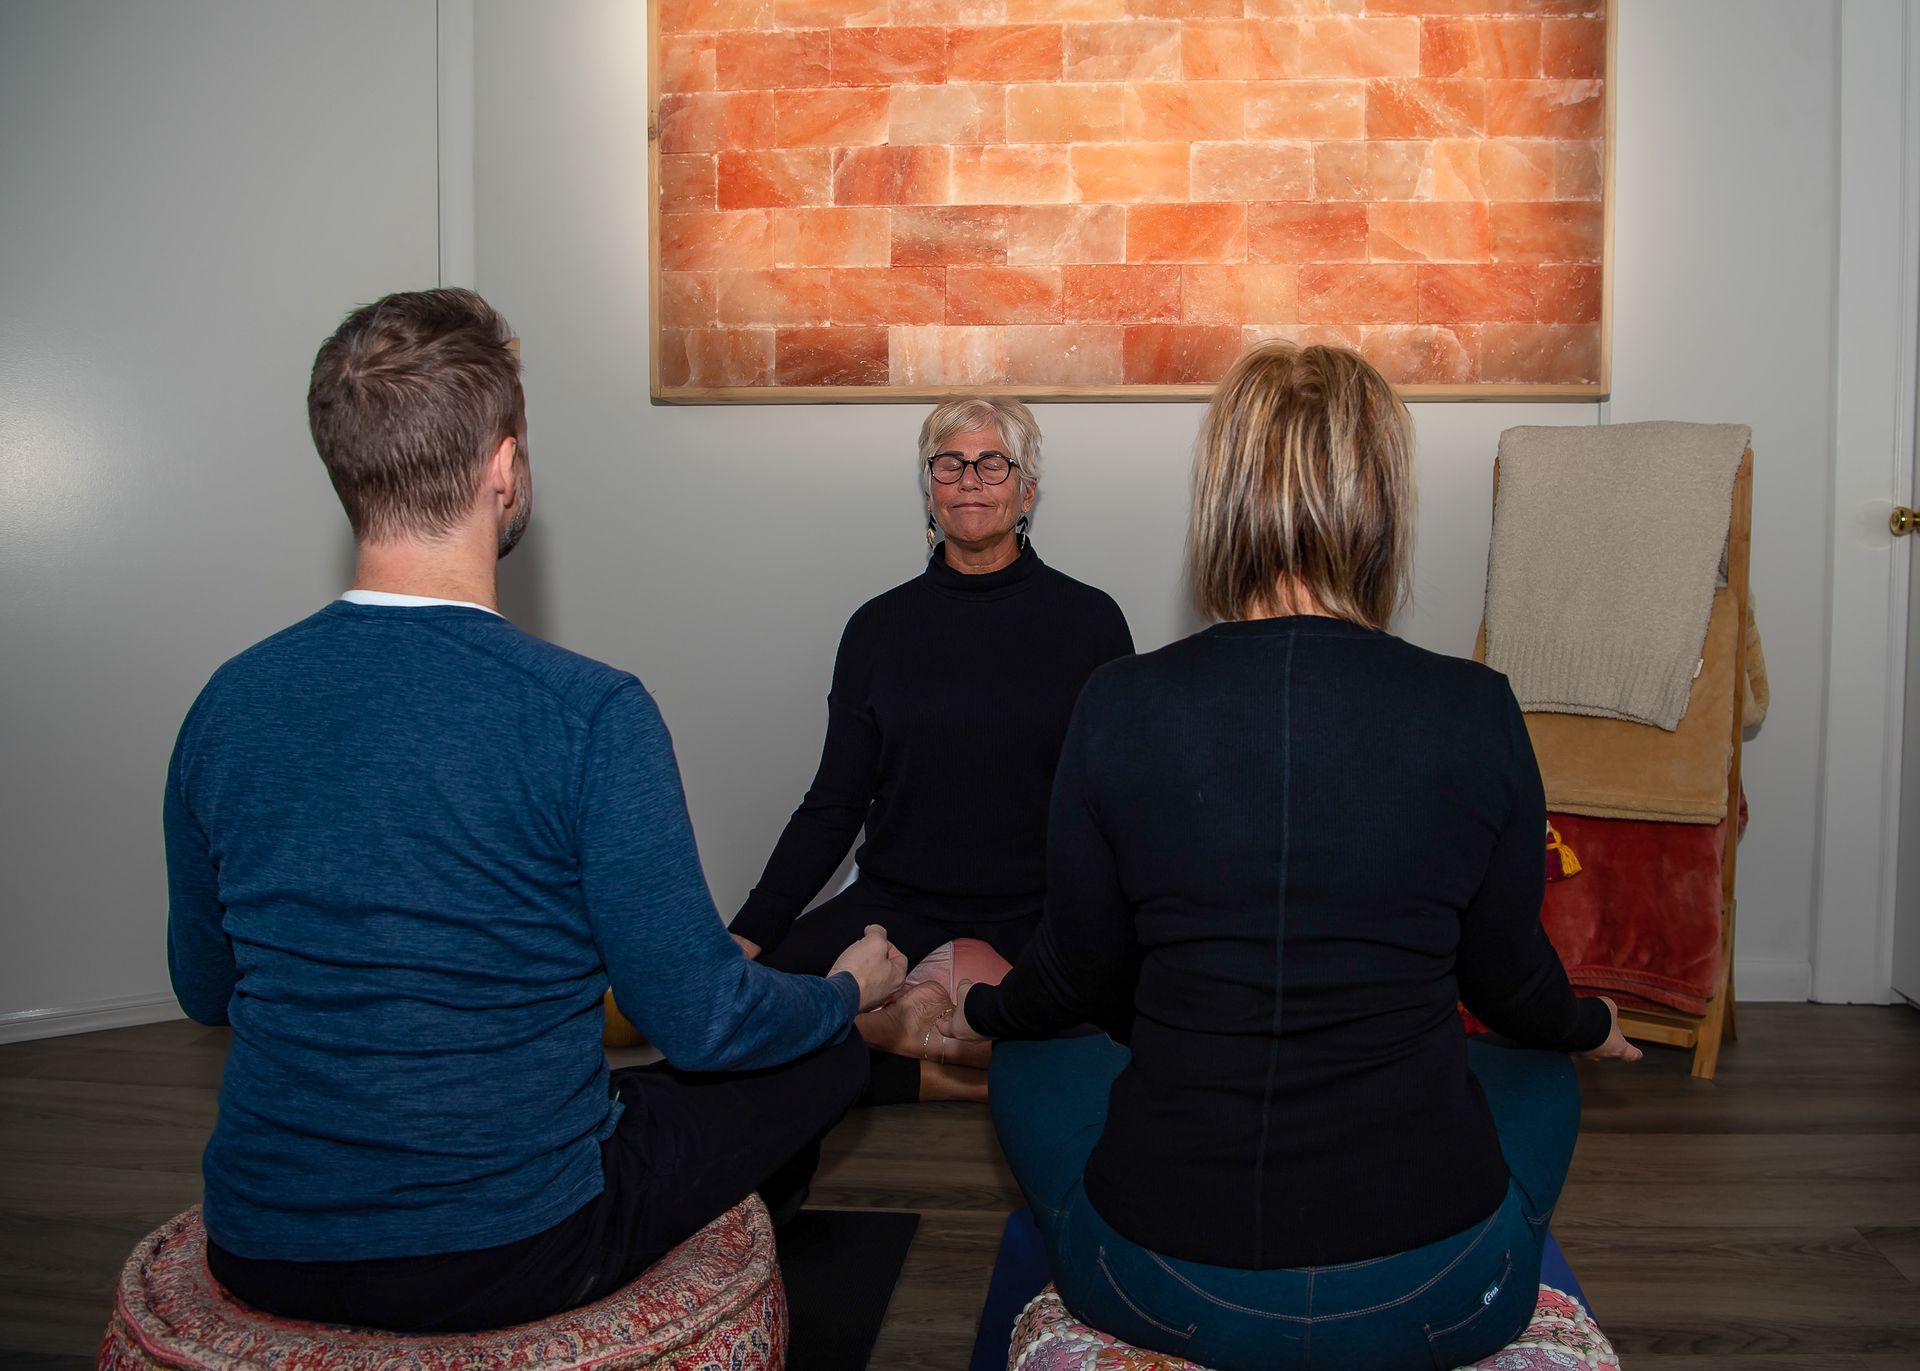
x=1096 y=195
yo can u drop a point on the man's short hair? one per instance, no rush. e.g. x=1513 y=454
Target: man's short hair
x=408 y=399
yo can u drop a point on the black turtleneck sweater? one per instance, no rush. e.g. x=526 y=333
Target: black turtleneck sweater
x=950 y=696
x=1279 y=852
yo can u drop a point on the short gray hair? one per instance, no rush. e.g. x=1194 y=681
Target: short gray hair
x=1013 y=421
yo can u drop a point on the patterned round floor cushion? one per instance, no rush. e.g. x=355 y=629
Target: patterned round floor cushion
x=716 y=1301
x=1562 y=1337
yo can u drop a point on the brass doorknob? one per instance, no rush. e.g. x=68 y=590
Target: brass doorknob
x=1903 y=520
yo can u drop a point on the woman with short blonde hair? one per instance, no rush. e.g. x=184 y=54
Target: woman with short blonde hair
x=1280 y=852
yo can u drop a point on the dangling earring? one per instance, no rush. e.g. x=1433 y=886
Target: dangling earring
x=1020 y=532
x=930 y=531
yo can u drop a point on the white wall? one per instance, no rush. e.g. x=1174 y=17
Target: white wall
x=191 y=195
x=195 y=192
x=718 y=550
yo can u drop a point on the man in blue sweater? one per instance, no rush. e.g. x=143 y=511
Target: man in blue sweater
x=408 y=848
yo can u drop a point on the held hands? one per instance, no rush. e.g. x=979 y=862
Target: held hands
x=1616 y=1048
x=953 y=1024
x=875 y=963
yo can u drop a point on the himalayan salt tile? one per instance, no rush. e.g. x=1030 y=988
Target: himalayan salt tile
x=1303 y=335
x=1187 y=233
x=1014 y=52
x=1065 y=355
x=1129 y=171
x=1122 y=294
x=1054 y=235
x=1358 y=293
x=1548 y=231
x=948 y=356
x=1545 y=109
x=1010 y=174
x=703 y=242
x=1004 y=295
x=829 y=14
x=770 y=60
x=1065 y=113
x=1186 y=111
x=1396 y=169
x=1239 y=50
x=1359 y=47
x=1540 y=353
x=1178 y=354
x=1420 y=354
x=1253 y=171
x=1481 y=292
x=1244 y=293
x=888 y=57
x=888 y=295
x=969 y=12
x=771 y=297
x=716 y=358
x=1316 y=110
x=830 y=357
x=1517 y=169
x=828 y=237
x=831 y=118
x=1144 y=50
x=1065 y=11
x=707 y=121
x=1427 y=231
x=1574 y=49
x=1480 y=47
x=890 y=176
x=1303 y=9
x=1579 y=171
x=1184 y=9
x=774 y=179
x=948 y=114
x=686 y=63
x=686 y=16
x=687 y=181
x=1426 y=109
x=1306 y=233
x=1453 y=171
x=950 y=236
x=1567 y=294
x=686 y=299
x=1432 y=8
x=1340 y=171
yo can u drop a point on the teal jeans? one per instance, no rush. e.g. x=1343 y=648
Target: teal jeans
x=1435 y=1307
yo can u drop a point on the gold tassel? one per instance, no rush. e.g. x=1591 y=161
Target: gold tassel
x=1569 y=864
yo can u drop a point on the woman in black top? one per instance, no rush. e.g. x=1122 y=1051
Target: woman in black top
x=1279 y=853
x=950 y=696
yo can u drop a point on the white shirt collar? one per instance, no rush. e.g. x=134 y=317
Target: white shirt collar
x=356 y=596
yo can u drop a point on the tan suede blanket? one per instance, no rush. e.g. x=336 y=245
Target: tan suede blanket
x=1601 y=570
x=1612 y=769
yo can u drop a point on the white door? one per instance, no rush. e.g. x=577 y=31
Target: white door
x=1906 y=876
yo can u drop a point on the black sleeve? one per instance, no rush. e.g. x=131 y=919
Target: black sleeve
x=830 y=816
x=1084 y=961
x=1510 y=976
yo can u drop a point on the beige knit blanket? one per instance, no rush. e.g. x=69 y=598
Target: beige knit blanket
x=1600 y=577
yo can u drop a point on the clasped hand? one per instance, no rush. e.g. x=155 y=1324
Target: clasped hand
x=876 y=964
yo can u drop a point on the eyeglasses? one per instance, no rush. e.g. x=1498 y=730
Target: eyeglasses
x=990 y=467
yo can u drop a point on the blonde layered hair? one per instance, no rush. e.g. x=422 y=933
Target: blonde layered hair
x=1019 y=433
x=1303 y=476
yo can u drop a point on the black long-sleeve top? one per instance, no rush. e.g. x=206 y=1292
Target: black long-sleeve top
x=950 y=696
x=1279 y=852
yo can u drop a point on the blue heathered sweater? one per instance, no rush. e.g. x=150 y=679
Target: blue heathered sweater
x=407 y=849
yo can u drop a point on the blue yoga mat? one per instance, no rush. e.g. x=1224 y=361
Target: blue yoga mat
x=1020 y=1270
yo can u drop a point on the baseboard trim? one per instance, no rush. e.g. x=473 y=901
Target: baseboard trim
x=24 y=1025
x=1772 y=979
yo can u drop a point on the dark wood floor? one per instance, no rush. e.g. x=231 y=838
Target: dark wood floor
x=1769 y=1220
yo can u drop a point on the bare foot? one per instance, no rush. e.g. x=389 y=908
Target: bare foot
x=906 y=1026
x=940 y=1081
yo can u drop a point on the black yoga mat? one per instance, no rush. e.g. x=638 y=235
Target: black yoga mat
x=840 y=1267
